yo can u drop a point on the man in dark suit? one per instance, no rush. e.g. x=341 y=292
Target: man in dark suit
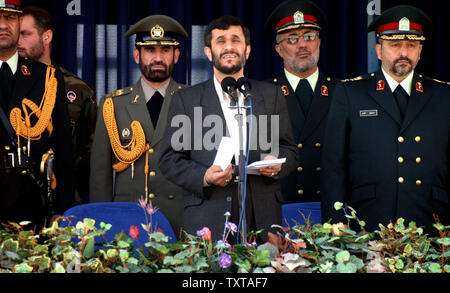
x=146 y=102
x=24 y=189
x=210 y=191
x=388 y=134
x=297 y=25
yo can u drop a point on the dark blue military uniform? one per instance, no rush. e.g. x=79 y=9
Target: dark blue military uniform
x=382 y=165
x=303 y=185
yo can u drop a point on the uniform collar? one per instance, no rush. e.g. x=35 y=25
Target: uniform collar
x=149 y=91
x=406 y=83
x=12 y=62
x=294 y=80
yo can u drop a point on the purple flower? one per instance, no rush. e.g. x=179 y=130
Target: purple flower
x=225 y=261
x=232 y=227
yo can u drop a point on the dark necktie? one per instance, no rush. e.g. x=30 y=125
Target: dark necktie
x=305 y=95
x=154 y=107
x=402 y=98
x=6 y=85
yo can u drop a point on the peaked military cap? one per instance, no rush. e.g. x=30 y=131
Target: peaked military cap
x=157 y=30
x=294 y=14
x=401 y=22
x=10 y=6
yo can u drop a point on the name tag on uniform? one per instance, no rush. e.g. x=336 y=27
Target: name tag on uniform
x=368 y=113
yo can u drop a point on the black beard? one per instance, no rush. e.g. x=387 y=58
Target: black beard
x=228 y=70
x=156 y=75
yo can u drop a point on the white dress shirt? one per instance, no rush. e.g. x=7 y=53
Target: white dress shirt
x=406 y=83
x=294 y=79
x=12 y=62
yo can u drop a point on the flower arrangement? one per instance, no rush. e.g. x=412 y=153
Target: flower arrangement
x=320 y=248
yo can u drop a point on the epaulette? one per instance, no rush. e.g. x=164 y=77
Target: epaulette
x=362 y=77
x=440 y=81
x=120 y=92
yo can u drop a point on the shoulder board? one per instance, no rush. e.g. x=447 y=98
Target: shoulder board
x=440 y=81
x=362 y=77
x=120 y=92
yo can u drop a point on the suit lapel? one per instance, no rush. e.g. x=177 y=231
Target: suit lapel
x=20 y=79
x=137 y=109
x=159 y=132
x=419 y=98
x=381 y=93
x=319 y=108
x=294 y=108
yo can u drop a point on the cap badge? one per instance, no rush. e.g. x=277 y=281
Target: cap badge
x=126 y=133
x=25 y=70
x=2 y=3
x=157 y=32
x=324 y=90
x=404 y=24
x=299 y=17
x=285 y=90
x=419 y=87
x=381 y=85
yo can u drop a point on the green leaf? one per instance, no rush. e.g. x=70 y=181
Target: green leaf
x=343 y=256
x=444 y=241
x=435 y=268
x=10 y=245
x=348 y=268
x=89 y=223
x=23 y=269
x=89 y=249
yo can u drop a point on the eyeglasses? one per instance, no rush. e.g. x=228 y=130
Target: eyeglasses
x=294 y=39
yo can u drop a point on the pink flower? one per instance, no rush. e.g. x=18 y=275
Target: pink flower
x=134 y=232
x=205 y=233
x=150 y=209
x=143 y=202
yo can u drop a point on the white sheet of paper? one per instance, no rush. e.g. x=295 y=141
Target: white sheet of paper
x=225 y=153
x=252 y=169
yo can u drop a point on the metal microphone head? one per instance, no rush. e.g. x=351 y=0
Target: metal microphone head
x=244 y=85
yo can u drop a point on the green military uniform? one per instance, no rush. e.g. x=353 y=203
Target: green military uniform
x=83 y=112
x=130 y=105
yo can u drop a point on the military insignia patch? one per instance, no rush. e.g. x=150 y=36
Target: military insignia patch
x=404 y=24
x=285 y=90
x=381 y=85
x=419 y=87
x=299 y=17
x=324 y=90
x=25 y=70
x=71 y=96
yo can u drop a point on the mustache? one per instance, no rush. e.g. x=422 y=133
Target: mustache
x=301 y=51
x=403 y=59
x=158 y=64
x=230 y=52
x=2 y=31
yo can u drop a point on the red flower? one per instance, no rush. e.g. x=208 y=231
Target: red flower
x=134 y=232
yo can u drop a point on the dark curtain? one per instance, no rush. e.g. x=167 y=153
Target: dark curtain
x=344 y=40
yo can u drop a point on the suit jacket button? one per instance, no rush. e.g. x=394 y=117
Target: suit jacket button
x=152 y=173
x=418 y=139
x=401 y=160
x=401 y=139
x=7 y=148
x=151 y=151
x=418 y=160
x=300 y=146
x=228 y=199
x=317 y=145
x=151 y=196
x=419 y=182
x=318 y=192
x=318 y=169
x=301 y=192
x=401 y=180
x=171 y=197
x=300 y=169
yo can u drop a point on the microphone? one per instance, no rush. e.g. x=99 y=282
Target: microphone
x=244 y=85
x=229 y=86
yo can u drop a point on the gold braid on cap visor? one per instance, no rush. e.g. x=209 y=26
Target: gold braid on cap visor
x=402 y=37
x=302 y=25
x=158 y=43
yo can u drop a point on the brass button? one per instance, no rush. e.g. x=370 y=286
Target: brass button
x=419 y=182
x=401 y=139
x=7 y=148
x=318 y=169
x=24 y=172
x=317 y=145
x=300 y=169
x=24 y=149
x=401 y=160
x=401 y=180
x=152 y=173
x=171 y=197
x=418 y=139
x=151 y=151
x=418 y=160
x=151 y=195
x=300 y=146
x=301 y=192
x=318 y=192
